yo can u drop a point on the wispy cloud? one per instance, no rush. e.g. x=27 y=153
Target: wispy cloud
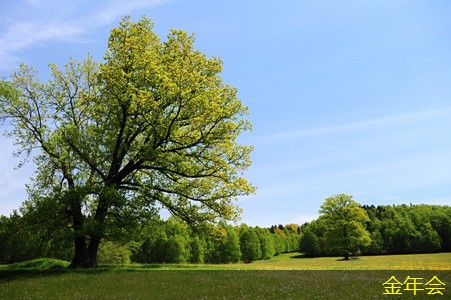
x=378 y=122
x=39 y=22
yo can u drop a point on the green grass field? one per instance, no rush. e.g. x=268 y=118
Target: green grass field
x=287 y=276
x=291 y=261
x=287 y=261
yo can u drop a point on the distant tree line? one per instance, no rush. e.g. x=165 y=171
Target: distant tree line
x=175 y=242
x=344 y=228
x=400 y=229
x=170 y=241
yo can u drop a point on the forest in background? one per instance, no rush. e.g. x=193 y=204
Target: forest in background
x=397 y=229
x=393 y=230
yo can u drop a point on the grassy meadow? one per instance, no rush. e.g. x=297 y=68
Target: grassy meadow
x=292 y=261
x=287 y=276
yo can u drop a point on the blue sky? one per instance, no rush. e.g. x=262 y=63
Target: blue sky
x=348 y=96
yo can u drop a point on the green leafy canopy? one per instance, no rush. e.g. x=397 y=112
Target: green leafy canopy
x=345 y=221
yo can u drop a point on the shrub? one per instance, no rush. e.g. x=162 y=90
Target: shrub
x=111 y=253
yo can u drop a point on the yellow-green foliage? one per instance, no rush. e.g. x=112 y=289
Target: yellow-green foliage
x=111 y=253
x=151 y=126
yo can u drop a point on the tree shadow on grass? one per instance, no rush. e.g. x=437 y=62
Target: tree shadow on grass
x=25 y=270
x=20 y=274
x=302 y=255
x=349 y=259
x=11 y=275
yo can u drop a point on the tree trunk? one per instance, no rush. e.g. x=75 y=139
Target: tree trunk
x=94 y=242
x=81 y=259
x=96 y=236
x=86 y=255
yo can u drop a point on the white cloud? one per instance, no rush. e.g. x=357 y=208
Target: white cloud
x=47 y=21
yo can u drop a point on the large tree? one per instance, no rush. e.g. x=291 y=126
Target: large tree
x=151 y=126
x=345 y=223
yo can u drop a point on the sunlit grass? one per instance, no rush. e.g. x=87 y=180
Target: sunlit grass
x=436 y=261
x=37 y=264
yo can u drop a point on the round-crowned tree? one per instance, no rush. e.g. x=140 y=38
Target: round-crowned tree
x=345 y=222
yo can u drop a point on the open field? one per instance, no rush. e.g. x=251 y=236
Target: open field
x=212 y=285
x=287 y=276
x=287 y=261
x=292 y=261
